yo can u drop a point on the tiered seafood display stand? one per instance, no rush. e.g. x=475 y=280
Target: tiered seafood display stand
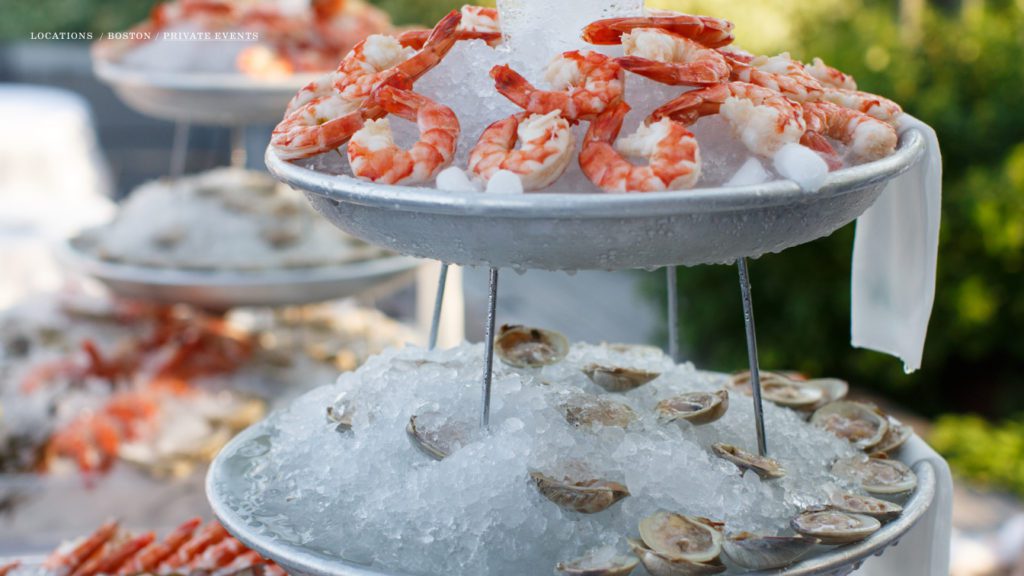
x=580 y=232
x=236 y=101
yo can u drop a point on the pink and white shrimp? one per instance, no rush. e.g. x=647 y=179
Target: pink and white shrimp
x=546 y=145
x=871 y=104
x=374 y=156
x=868 y=138
x=478 y=23
x=326 y=113
x=670 y=149
x=584 y=84
x=830 y=77
x=708 y=31
x=780 y=73
x=761 y=118
x=672 y=59
x=68 y=561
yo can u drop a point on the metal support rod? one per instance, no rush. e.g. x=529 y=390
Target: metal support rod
x=673 y=314
x=492 y=304
x=238 y=152
x=435 y=320
x=179 y=150
x=755 y=371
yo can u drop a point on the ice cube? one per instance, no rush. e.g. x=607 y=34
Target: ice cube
x=801 y=165
x=752 y=172
x=505 y=182
x=454 y=179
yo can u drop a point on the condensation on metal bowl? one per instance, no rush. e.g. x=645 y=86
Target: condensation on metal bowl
x=566 y=231
x=226 y=489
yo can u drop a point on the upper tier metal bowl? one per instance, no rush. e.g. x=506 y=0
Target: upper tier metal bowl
x=227 y=489
x=223 y=290
x=596 y=231
x=203 y=98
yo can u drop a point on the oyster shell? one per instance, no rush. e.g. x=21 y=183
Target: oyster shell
x=834 y=388
x=593 y=564
x=618 y=379
x=436 y=435
x=694 y=407
x=894 y=438
x=766 y=468
x=835 y=527
x=661 y=565
x=763 y=552
x=588 y=410
x=877 y=475
x=861 y=424
x=525 y=347
x=881 y=510
x=585 y=497
x=340 y=413
x=781 y=390
x=677 y=536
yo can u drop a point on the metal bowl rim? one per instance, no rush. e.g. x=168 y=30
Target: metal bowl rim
x=594 y=205
x=915 y=508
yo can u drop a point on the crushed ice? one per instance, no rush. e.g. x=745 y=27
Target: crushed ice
x=370 y=496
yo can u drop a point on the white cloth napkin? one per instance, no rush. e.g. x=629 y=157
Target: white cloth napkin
x=924 y=550
x=894 y=258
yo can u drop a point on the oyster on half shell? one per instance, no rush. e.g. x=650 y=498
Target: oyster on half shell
x=525 y=347
x=834 y=526
x=877 y=475
x=861 y=424
x=766 y=468
x=694 y=407
x=585 y=497
x=618 y=379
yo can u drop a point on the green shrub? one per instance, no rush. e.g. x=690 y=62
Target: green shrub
x=992 y=454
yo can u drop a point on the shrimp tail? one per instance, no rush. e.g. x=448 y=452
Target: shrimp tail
x=815 y=141
x=606 y=127
x=513 y=86
x=435 y=48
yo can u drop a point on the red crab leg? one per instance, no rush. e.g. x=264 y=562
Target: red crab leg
x=211 y=534
x=151 y=557
x=67 y=563
x=112 y=560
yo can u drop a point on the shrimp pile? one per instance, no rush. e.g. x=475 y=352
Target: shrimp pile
x=191 y=548
x=769 y=102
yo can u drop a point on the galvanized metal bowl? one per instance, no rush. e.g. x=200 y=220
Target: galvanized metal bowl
x=596 y=231
x=230 y=99
x=222 y=290
x=227 y=491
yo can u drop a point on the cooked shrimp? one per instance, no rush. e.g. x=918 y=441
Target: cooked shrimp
x=711 y=32
x=478 y=23
x=868 y=138
x=871 y=104
x=331 y=109
x=830 y=77
x=584 y=83
x=151 y=557
x=671 y=59
x=671 y=150
x=546 y=147
x=372 y=152
x=67 y=562
x=111 y=560
x=761 y=118
x=780 y=73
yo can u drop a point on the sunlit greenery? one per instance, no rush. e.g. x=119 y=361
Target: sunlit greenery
x=989 y=453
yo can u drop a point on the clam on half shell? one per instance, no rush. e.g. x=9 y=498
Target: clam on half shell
x=877 y=475
x=587 y=410
x=436 y=435
x=835 y=527
x=694 y=407
x=662 y=565
x=861 y=424
x=340 y=413
x=782 y=390
x=882 y=510
x=590 y=565
x=585 y=497
x=618 y=379
x=525 y=347
x=689 y=538
x=766 y=468
x=894 y=438
x=762 y=552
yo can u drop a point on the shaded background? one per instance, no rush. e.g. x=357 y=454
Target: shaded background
x=958 y=65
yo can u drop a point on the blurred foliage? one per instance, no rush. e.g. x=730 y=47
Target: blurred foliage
x=957 y=67
x=989 y=453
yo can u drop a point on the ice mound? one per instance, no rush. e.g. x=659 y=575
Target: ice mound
x=369 y=496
